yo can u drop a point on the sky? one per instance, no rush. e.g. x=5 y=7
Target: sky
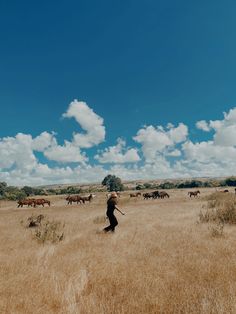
x=138 y=89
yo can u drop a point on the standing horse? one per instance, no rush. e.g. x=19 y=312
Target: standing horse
x=146 y=196
x=195 y=193
x=26 y=201
x=41 y=201
x=87 y=198
x=135 y=194
x=74 y=198
x=163 y=194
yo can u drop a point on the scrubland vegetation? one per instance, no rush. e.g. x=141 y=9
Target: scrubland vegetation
x=109 y=183
x=162 y=258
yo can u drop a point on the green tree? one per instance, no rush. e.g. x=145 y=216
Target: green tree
x=28 y=190
x=3 y=187
x=231 y=181
x=113 y=183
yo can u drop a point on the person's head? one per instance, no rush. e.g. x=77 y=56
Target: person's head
x=113 y=194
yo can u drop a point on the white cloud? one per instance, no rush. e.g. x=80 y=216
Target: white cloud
x=118 y=154
x=160 y=147
x=89 y=121
x=156 y=140
x=203 y=125
x=225 y=130
x=174 y=153
x=17 y=152
x=94 y=134
x=66 y=153
x=43 y=141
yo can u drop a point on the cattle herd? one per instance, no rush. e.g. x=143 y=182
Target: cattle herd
x=79 y=199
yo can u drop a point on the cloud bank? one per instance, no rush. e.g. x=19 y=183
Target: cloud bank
x=156 y=152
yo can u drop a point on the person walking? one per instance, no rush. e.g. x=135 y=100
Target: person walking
x=111 y=206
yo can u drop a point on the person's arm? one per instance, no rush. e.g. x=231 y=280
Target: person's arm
x=117 y=208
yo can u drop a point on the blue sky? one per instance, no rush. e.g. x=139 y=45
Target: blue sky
x=134 y=64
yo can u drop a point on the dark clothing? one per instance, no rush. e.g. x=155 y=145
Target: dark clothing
x=111 y=206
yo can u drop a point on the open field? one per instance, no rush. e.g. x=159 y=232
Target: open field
x=159 y=260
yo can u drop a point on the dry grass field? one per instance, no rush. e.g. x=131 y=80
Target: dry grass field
x=159 y=260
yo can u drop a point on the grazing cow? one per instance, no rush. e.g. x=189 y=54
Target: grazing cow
x=87 y=198
x=41 y=201
x=163 y=194
x=135 y=194
x=195 y=193
x=27 y=201
x=74 y=198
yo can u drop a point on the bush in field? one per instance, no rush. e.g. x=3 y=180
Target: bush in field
x=221 y=208
x=50 y=231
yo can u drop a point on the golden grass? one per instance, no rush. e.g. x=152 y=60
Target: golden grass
x=158 y=261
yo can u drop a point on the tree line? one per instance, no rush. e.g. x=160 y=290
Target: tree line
x=110 y=183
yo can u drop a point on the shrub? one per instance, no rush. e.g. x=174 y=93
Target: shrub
x=45 y=230
x=220 y=208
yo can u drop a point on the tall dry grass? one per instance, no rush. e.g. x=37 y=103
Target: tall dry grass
x=158 y=261
x=220 y=207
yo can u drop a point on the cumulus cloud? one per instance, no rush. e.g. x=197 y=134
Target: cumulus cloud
x=118 y=154
x=203 y=125
x=17 y=152
x=94 y=134
x=156 y=140
x=43 y=141
x=166 y=152
x=66 y=153
x=18 y=159
x=89 y=121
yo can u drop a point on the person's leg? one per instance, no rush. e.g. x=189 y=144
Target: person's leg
x=113 y=222
x=108 y=228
